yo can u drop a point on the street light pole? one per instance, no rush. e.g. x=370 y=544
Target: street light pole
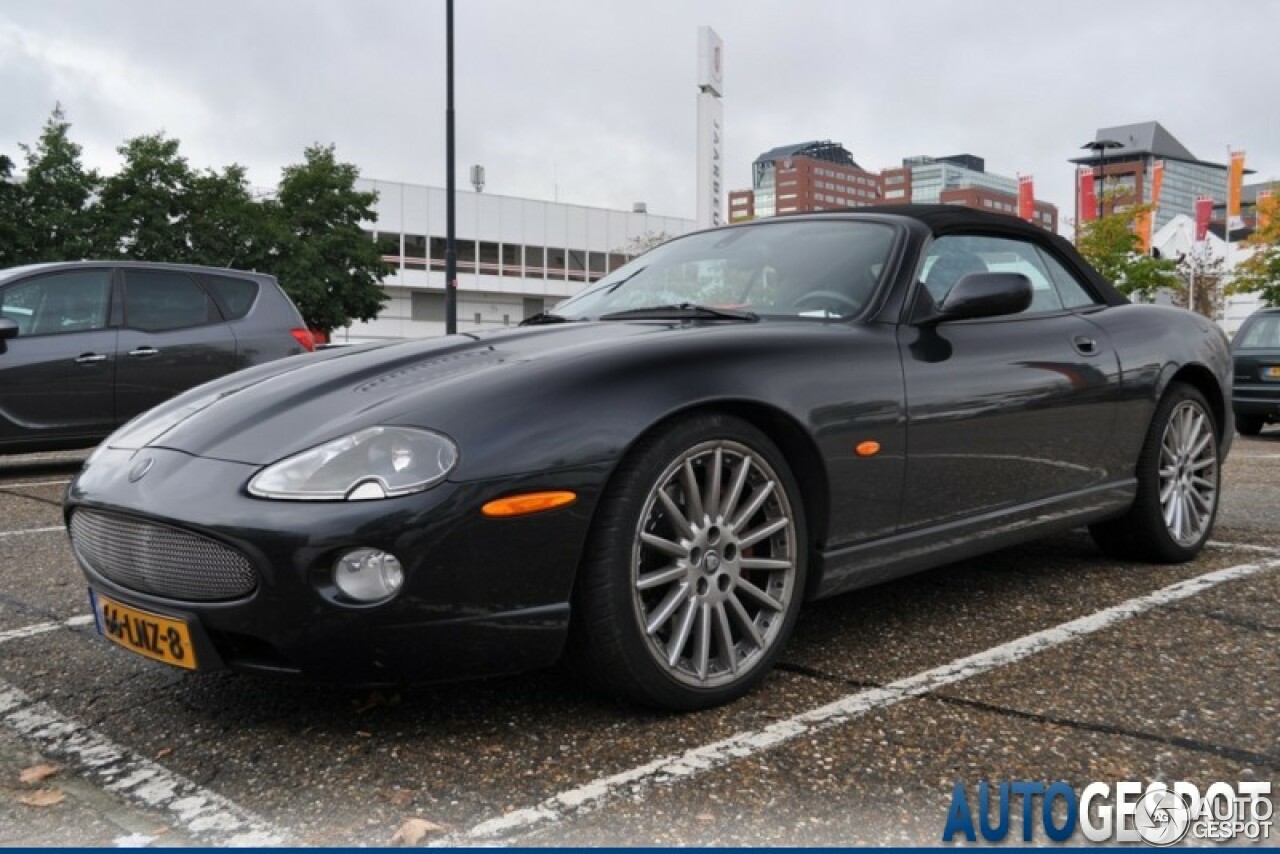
x=451 y=189
x=1099 y=147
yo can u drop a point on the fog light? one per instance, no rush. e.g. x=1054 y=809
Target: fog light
x=368 y=575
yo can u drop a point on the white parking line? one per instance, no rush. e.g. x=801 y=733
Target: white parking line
x=23 y=531
x=1242 y=547
x=34 y=483
x=698 y=760
x=44 y=628
x=211 y=818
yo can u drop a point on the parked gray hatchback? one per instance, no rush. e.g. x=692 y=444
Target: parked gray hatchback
x=85 y=346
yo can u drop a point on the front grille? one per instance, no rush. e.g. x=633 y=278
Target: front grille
x=160 y=560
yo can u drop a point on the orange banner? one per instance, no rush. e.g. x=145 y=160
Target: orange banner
x=1147 y=221
x=1235 y=184
x=1142 y=225
x=1265 y=208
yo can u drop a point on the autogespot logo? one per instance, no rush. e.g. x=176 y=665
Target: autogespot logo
x=1157 y=814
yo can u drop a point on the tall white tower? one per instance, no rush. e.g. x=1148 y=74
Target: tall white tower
x=710 y=129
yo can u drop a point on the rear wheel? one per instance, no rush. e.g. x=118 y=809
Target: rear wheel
x=1249 y=425
x=1178 y=485
x=695 y=570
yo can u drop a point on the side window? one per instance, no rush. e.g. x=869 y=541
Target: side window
x=1073 y=293
x=156 y=300
x=74 y=301
x=236 y=295
x=954 y=256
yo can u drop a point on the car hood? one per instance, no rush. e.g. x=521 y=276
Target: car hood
x=267 y=413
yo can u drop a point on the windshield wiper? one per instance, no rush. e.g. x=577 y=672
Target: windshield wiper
x=545 y=317
x=682 y=311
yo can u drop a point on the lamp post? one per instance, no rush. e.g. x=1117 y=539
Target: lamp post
x=1099 y=147
x=451 y=189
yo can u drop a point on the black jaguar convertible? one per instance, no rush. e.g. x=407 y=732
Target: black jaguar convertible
x=653 y=478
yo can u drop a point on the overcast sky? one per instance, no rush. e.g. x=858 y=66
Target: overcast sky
x=595 y=101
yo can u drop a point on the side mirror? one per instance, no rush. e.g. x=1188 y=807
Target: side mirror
x=984 y=295
x=8 y=329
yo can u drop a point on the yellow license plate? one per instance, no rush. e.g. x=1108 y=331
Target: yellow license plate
x=153 y=635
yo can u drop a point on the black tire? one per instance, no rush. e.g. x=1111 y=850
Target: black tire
x=610 y=642
x=1249 y=425
x=1143 y=533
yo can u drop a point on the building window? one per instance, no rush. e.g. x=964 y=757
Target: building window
x=415 y=246
x=389 y=244
x=511 y=259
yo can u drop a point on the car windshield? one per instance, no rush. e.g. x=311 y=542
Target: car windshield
x=1262 y=332
x=803 y=269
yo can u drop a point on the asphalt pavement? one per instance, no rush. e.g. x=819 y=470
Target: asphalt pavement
x=1044 y=662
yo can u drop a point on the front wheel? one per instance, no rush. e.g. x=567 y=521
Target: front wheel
x=1178 y=485
x=695 y=570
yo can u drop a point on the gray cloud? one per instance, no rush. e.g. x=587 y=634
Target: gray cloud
x=595 y=100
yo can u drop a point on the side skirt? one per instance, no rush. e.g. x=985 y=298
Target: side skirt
x=902 y=554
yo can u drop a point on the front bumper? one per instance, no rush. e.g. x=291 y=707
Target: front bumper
x=1256 y=400
x=481 y=596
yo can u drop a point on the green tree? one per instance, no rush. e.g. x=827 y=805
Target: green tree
x=1261 y=270
x=143 y=208
x=56 y=205
x=12 y=234
x=1111 y=245
x=225 y=225
x=323 y=259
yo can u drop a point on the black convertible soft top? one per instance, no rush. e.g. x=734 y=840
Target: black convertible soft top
x=946 y=219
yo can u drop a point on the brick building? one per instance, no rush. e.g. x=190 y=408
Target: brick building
x=815 y=176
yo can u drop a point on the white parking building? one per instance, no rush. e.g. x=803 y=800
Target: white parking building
x=516 y=256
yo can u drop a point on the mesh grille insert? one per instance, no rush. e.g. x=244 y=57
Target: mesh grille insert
x=157 y=559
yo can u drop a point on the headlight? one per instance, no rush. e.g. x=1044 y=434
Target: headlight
x=378 y=462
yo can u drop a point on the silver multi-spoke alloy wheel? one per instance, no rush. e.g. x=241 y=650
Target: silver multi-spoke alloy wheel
x=1188 y=473
x=713 y=564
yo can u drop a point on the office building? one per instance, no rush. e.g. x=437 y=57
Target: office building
x=516 y=257
x=1123 y=159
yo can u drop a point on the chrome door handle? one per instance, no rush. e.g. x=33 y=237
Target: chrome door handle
x=90 y=358
x=143 y=352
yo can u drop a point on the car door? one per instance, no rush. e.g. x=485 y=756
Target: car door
x=56 y=376
x=1004 y=411
x=173 y=338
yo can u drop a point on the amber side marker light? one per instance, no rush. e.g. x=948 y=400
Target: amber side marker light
x=867 y=449
x=526 y=503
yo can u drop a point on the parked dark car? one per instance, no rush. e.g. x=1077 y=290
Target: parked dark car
x=85 y=346
x=1255 y=394
x=653 y=478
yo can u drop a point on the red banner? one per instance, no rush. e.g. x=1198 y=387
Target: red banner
x=1026 y=198
x=1087 y=204
x=1204 y=212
